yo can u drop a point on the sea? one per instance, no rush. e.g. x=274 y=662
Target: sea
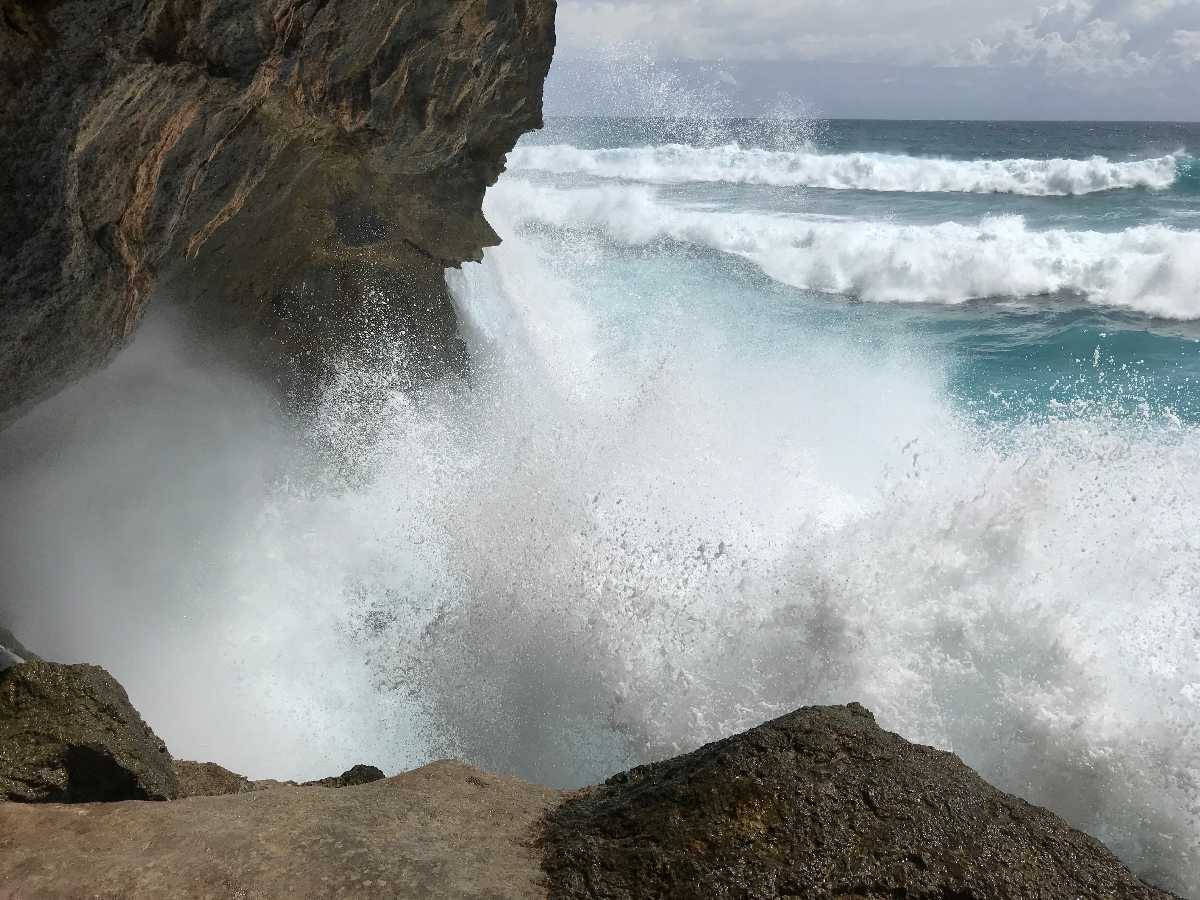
x=761 y=414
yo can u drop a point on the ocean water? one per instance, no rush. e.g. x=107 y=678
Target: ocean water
x=761 y=414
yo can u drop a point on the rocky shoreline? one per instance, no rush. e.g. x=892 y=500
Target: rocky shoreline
x=821 y=803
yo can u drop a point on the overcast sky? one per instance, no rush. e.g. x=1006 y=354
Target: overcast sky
x=1057 y=59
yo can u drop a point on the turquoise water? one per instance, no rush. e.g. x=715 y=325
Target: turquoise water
x=1012 y=349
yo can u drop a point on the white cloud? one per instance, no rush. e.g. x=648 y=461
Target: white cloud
x=1187 y=46
x=1066 y=39
x=902 y=31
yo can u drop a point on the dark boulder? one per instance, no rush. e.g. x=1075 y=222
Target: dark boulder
x=821 y=803
x=350 y=778
x=68 y=734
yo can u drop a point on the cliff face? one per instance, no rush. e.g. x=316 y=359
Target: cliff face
x=292 y=168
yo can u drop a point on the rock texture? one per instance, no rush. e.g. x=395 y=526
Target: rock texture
x=821 y=804
x=300 y=170
x=446 y=831
x=68 y=734
x=209 y=780
x=350 y=778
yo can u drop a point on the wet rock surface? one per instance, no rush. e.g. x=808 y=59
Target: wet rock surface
x=68 y=734
x=445 y=831
x=821 y=804
x=301 y=171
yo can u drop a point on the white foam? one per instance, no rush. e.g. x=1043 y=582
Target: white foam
x=733 y=164
x=1152 y=269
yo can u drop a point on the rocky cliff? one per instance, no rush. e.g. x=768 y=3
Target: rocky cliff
x=300 y=171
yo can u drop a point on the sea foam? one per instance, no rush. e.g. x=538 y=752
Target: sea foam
x=734 y=164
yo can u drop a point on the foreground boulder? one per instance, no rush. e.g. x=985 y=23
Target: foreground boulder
x=68 y=734
x=821 y=804
x=302 y=170
x=446 y=831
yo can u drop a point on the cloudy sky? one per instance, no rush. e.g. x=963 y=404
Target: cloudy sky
x=1089 y=59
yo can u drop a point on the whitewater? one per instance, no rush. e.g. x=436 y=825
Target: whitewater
x=726 y=448
x=1154 y=269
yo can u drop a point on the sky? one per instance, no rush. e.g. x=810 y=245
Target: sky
x=982 y=59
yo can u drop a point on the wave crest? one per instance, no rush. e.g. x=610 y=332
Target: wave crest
x=733 y=164
x=1151 y=269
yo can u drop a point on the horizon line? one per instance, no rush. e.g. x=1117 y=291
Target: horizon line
x=959 y=120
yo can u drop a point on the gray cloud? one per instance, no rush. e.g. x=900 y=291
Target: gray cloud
x=1057 y=55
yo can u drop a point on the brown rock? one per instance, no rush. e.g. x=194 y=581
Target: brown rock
x=68 y=734
x=299 y=170
x=209 y=780
x=445 y=831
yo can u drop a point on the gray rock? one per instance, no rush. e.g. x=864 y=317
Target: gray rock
x=821 y=804
x=68 y=734
x=298 y=172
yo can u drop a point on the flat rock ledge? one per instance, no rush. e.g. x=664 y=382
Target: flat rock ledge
x=445 y=831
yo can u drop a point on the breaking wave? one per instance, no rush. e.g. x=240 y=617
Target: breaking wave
x=734 y=164
x=1151 y=269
